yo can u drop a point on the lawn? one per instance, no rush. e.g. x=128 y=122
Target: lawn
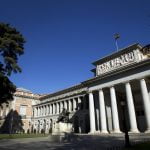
x=143 y=146
x=15 y=136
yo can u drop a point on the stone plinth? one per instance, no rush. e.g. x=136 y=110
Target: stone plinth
x=61 y=128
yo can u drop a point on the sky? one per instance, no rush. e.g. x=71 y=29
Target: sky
x=63 y=37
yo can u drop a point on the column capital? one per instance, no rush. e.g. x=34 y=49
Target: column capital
x=100 y=89
x=141 y=78
x=111 y=86
x=90 y=91
x=127 y=81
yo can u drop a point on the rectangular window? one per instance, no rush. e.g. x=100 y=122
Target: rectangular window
x=23 y=110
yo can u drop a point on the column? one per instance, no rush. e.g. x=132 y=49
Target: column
x=55 y=108
x=65 y=105
x=40 y=110
x=79 y=103
x=37 y=113
x=44 y=110
x=61 y=106
x=146 y=103
x=69 y=104
x=102 y=112
x=114 y=110
x=74 y=104
x=57 y=105
x=92 y=113
x=131 y=109
x=50 y=109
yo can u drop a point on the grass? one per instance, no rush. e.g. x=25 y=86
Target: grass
x=143 y=146
x=15 y=136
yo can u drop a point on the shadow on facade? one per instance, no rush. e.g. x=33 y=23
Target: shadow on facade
x=12 y=123
x=80 y=119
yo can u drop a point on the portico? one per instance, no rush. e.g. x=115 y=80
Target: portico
x=128 y=83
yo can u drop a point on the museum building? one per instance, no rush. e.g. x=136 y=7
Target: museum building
x=118 y=94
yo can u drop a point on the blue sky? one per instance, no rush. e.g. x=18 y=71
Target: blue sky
x=65 y=36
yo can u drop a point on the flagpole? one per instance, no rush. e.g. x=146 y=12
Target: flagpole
x=116 y=44
x=116 y=36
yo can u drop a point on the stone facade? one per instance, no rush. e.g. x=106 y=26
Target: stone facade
x=119 y=93
x=16 y=115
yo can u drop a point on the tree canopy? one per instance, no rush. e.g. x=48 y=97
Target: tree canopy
x=11 y=47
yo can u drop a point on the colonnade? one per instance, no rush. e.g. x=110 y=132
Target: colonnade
x=55 y=108
x=114 y=109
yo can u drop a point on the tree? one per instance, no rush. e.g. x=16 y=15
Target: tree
x=11 y=47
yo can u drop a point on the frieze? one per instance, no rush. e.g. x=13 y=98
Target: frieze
x=68 y=94
x=146 y=50
x=123 y=60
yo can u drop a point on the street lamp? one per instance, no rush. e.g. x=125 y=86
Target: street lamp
x=127 y=140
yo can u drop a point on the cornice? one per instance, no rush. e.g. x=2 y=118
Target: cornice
x=118 y=71
x=26 y=96
x=63 y=92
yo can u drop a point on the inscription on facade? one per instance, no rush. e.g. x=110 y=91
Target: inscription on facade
x=121 y=61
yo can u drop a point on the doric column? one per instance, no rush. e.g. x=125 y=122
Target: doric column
x=57 y=104
x=69 y=105
x=79 y=103
x=37 y=113
x=45 y=110
x=74 y=104
x=92 y=113
x=48 y=109
x=102 y=112
x=61 y=106
x=114 y=110
x=65 y=104
x=51 y=109
x=40 y=111
x=146 y=103
x=131 y=109
x=55 y=108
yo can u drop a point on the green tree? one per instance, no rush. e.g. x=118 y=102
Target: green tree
x=11 y=47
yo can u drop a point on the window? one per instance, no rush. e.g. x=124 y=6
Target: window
x=23 y=110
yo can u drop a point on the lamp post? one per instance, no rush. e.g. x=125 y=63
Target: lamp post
x=127 y=140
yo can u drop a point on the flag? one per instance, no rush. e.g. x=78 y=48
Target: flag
x=116 y=36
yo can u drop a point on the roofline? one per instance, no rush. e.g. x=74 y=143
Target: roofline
x=80 y=85
x=116 y=53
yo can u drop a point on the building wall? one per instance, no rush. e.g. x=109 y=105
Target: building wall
x=11 y=119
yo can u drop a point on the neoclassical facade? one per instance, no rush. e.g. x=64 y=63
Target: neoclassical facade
x=118 y=94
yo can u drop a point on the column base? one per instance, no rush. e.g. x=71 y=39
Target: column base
x=104 y=132
x=147 y=131
x=94 y=132
x=134 y=131
x=116 y=131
